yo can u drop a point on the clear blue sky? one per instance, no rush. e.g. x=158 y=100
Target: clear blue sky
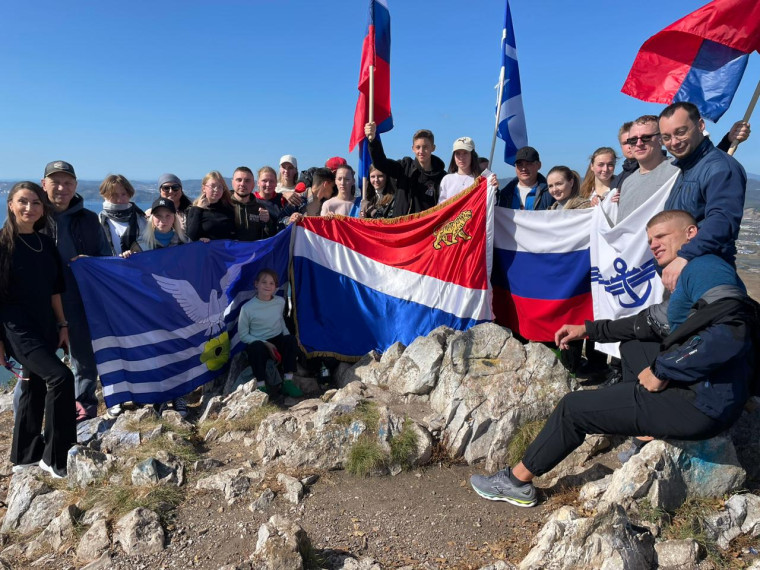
x=141 y=88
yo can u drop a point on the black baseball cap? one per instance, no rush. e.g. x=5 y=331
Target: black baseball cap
x=59 y=166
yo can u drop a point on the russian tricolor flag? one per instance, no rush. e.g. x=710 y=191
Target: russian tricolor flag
x=541 y=270
x=700 y=58
x=362 y=284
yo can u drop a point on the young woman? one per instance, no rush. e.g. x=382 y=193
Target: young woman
x=344 y=201
x=262 y=327
x=381 y=192
x=164 y=230
x=170 y=186
x=121 y=219
x=564 y=186
x=464 y=168
x=32 y=328
x=596 y=184
x=211 y=216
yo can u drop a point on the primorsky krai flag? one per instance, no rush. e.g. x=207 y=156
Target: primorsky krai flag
x=510 y=113
x=376 y=52
x=541 y=270
x=163 y=322
x=700 y=58
x=624 y=278
x=361 y=284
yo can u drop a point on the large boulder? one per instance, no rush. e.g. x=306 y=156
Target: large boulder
x=139 y=533
x=86 y=466
x=24 y=488
x=94 y=542
x=740 y=515
x=233 y=483
x=607 y=540
x=416 y=371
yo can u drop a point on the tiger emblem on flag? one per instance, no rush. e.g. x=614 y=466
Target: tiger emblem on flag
x=452 y=231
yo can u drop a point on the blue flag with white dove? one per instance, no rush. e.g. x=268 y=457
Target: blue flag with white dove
x=164 y=322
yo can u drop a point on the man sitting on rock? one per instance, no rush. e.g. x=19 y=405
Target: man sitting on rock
x=692 y=387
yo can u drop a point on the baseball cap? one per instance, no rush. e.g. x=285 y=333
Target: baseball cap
x=464 y=143
x=59 y=166
x=527 y=153
x=289 y=158
x=163 y=203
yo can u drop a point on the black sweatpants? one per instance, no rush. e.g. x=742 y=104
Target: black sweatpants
x=48 y=393
x=636 y=356
x=622 y=409
x=258 y=354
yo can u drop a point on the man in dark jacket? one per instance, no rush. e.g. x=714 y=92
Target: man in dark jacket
x=528 y=190
x=252 y=220
x=76 y=231
x=418 y=179
x=692 y=386
x=711 y=188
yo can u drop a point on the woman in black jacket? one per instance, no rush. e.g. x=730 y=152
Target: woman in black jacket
x=211 y=216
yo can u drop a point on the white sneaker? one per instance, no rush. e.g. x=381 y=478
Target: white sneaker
x=21 y=466
x=113 y=411
x=52 y=471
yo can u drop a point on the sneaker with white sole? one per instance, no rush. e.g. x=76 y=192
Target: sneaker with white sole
x=52 y=471
x=113 y=412
x=499 y=487
x=21 y=466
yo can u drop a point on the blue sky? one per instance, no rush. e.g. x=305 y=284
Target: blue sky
x=140 y=88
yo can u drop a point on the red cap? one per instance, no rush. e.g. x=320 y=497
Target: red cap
x=335 y=162
x=300 y=187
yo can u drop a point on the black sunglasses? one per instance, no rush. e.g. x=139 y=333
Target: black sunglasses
x=171 y=188
x=644 y=138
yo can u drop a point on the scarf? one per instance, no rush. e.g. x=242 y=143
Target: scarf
x=122 y=214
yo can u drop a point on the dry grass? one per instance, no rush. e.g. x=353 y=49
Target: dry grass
x=366 y=412
x=522 y=439
x=249 y=422
x=119 y=499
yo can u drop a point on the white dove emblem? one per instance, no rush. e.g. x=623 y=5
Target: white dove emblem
x=198 y=311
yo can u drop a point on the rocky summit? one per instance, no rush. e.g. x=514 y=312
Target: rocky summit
x=373 y=474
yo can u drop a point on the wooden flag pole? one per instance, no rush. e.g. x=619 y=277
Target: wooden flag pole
x=747 y=115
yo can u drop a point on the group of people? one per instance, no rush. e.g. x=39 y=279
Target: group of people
x=48 y=226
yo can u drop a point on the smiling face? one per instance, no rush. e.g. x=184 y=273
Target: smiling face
x=60 y=189
x=423 y=150
x=162 y=219
x=559 y=187
x=26 y=208
x=666 y=239
x=213 y=190
x=377 y=179
x=680 y=135
x=267 y=185
x=603 y=167
x=288 y=174
x=265 y=287
x=646 y=151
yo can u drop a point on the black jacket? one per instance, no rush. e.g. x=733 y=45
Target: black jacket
x=416 y=189
x=248 y=226
x=507 y=197
x=217 y=221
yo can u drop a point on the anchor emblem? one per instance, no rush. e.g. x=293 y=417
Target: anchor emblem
x=624 y=285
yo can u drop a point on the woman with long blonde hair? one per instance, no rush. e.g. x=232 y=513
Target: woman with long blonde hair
x=212 y=216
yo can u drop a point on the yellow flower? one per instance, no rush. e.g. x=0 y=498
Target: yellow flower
x=216 y=352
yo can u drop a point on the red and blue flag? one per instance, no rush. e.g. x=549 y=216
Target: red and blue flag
x=700 y=58
x=362 y=285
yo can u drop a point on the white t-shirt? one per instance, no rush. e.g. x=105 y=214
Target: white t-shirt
x=337 y=206
x=453 y=184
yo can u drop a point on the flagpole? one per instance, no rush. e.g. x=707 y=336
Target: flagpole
x=498 y=110
x=747 y=115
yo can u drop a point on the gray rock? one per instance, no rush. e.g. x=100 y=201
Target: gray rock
x=6 y=401
x=416 y=371
x=102 y=563
x=58 y=534
x=607 y=540
x=292 y=488
x=206 y=464
x=677 y=554
x=212 y=409
x=232 y=482
x=88 y=430
x=23 y=489
x=244 y=399
x=342 y=561
x=499 y=565
x=120 y=436
x=42 y=510
x=86 y=466
x=94 y=542
x=139 y=533
x=740 y=515
x=280 y=543
x=163 y=469
x=263 y=502
x=574 y=469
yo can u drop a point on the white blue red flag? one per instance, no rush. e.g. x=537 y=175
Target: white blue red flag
x=700 y=58
x=376 y=52
x=510 y=113
x=165 y=321
x=541 y=270
x=361 y=285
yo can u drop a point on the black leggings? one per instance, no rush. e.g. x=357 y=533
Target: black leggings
x=622 y=409
x=258 y=355
x=48 y=393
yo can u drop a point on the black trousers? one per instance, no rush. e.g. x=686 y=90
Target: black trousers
x=622 y=409
x=258 y=354
x=637 y=355
x=48 y=394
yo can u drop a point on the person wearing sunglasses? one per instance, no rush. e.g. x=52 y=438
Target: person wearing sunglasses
x=653 y=171
x=170 y=186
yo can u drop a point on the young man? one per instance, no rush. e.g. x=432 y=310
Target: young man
x=527 y=190
x=692 y=386
x=629 y=164
x=252 y=220
x=76 y=231
x=711 y=188
x=418 y=179
x=321 y=190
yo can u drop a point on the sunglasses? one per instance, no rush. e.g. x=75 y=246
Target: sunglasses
x=644 y=138
x=171 y=188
